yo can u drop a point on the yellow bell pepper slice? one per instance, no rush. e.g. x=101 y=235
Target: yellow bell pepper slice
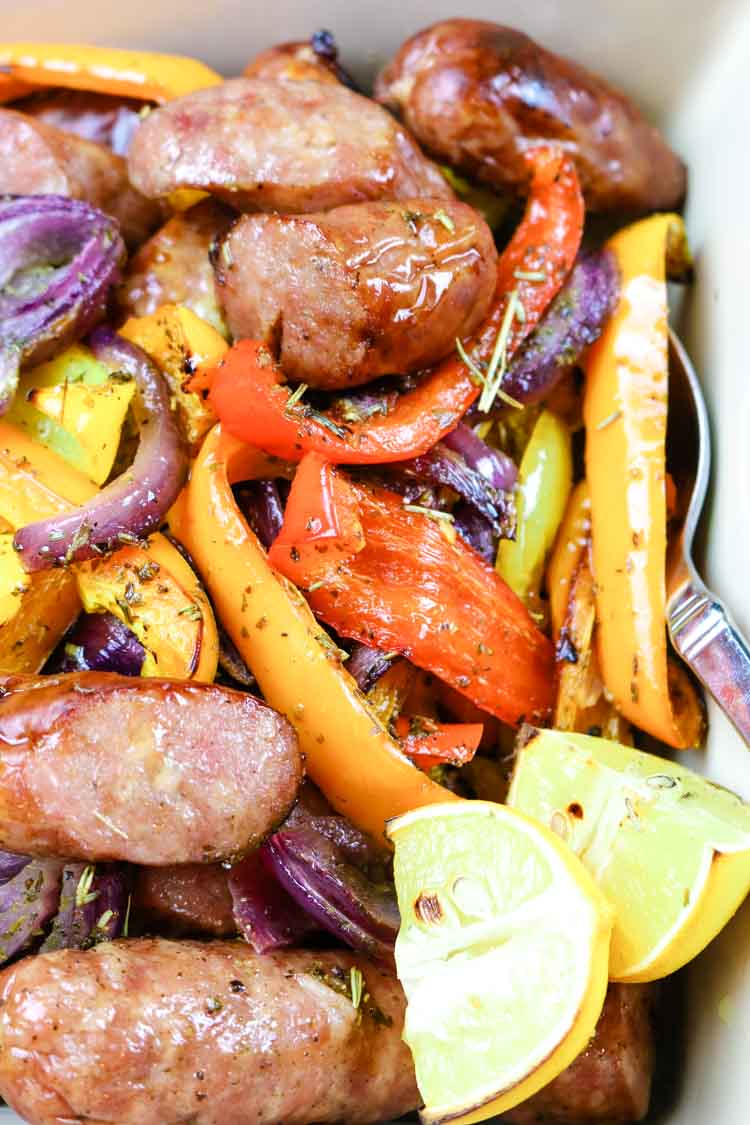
x=572 y=540
x=625 y=413
x=35 y=609
x=180 y=343
x=544 y=483
x=349 y=754
x=152 y=590
x=107 y=70
x=75 y=407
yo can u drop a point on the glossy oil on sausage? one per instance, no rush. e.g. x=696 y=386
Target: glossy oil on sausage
x=478 y=95
x=154 y=1032
x=39 y=159
x=315 y=58
x=360 y=291
x=173 y=267
x=97 y=766
x=192 y=898
x=266 y=145
x=611 y=1081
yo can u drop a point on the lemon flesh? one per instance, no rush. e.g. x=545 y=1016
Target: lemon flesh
x=502 y=952
x=669 y=850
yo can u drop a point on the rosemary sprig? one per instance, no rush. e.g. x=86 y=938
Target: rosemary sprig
x=499 y=360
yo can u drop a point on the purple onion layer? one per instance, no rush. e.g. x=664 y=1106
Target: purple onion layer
x=59 y=258
x=136 y=502
x=99 y=642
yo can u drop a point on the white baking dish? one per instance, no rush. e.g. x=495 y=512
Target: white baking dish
x=687 y=63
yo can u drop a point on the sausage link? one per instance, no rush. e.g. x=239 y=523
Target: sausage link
x=266 y=145
x=154 y=1032
x=38 y=159
x=173 y=267
x=611 y=1081
x=361 y=291
x=479 y=95
x=97 y=766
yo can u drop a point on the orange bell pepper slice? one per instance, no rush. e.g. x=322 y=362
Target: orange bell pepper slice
x=249 y=397
x=438 y=744
x=573 y=538
x=349 y=754
x=625 y=412
x=182 y=644
x=106 y=70
x=13 y=88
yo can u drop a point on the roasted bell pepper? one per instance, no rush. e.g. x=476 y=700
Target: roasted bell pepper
x=625 y=412
x=573 y=538
x=151 y=589
x=321 y=520
x=430 y=744
x=544 y=482
x=75 y=407
x=419 y=590
x=106 y=70
x=13 y=88
x=349 y=754
x=182 y=344
x=249 y=397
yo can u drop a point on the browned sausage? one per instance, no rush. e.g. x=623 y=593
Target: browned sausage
x=98 y=766
x=104 y=118
x=153 y=1032
x=359 y=291
x=315 y=58
x=479 y=95
x=193 y=898
x=174 y=267
x=611 y=1081
x=38 y=159
x=280 y=146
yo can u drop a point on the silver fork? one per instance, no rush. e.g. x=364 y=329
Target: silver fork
x=700 y=626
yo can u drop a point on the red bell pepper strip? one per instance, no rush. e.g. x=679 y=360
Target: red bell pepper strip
x=419 y=590
x=321 y=519
x=437 y=744
x=247 y=390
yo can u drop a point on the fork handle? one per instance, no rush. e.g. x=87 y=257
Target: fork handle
x=708 y=641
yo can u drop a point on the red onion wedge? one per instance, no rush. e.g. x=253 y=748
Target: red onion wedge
x=134 y=504
x=10 y=864
x=494 y=465
x=59 y=258
x=573 y=321
x=262 y=506
x=99 y=642
x=266 y=916
x=476 y=530
x=92 y=908
x=367 y=665
x=27 y=902
x=313 y=870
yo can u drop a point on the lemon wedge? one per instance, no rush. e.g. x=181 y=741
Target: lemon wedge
x=669 y=850
x=502 y=953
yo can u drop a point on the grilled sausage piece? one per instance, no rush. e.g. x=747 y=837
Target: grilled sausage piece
x=98 y=766
x=611 y=1081
x=193 y=898
x=280 y=146
x=360 y=291
x=38 y=159
x=479 y=95
x=173 y=267
x=103 y=118
x=315 y=58
x=153 y=1032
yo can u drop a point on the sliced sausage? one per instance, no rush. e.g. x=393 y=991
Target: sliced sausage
x=103 y=118
x=315 y=58
x=611 y=1081
x=193 y=898
x=97 y=766
x=360 y=291
x=154 y=1032
x=280 y=146
x=38 y=159
x=479 y=95
x=173 y=267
